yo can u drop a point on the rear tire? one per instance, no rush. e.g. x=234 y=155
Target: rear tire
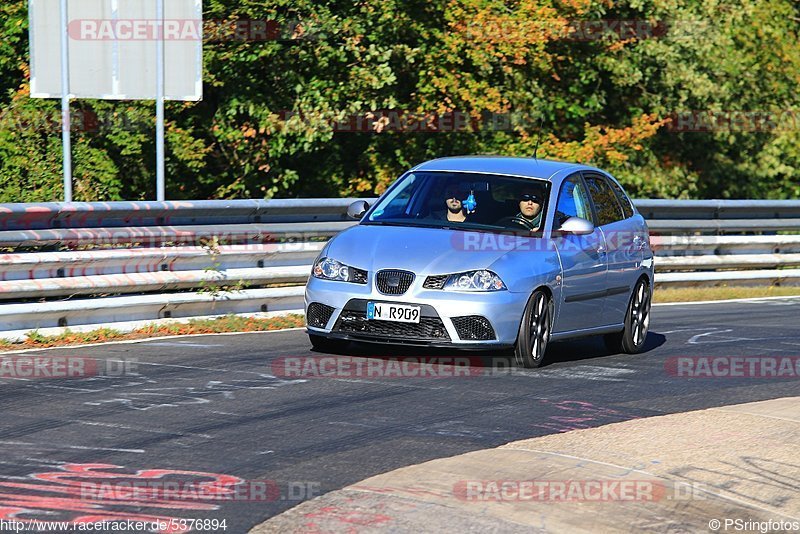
x=637 y=322
x=324 y=344
x=534 y=331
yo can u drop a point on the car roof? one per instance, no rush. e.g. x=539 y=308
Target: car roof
x=528 y=167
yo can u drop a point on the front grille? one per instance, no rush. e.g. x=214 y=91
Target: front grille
x=353 y=321
x=318 y=314
x=474 y=327
x=393 y=282
x=356 y=323
x=435 y=282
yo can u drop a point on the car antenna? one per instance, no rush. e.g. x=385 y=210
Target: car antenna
x=538 y=137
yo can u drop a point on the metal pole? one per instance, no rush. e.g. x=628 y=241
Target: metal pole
x=66 y=141
x=160 y=196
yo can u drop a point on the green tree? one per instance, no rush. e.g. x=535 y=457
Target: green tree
x=267 y=124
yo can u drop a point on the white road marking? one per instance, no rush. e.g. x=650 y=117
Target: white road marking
x=146 y=430
x=694 y=340
x=261 y=375
x=756 y=300
x=183 y=366
x=78 y=447
x=139 y=451
x=181 y=344
x=35 y=462
x=682 y=330
x=776 y=350
x=143 y=401
x=389 y=380
x=585 y=372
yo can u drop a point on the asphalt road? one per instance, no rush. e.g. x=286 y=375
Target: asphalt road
x=211 y=409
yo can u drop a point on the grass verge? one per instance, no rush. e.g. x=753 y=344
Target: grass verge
x=231 y=323
x=692 y=294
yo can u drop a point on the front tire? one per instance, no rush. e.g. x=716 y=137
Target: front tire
x=534 y=331
x=324 y=344
x=637 y=322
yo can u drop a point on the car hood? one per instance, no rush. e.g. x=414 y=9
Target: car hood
x=421 y=250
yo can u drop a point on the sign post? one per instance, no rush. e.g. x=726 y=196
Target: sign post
x=160 y=183
x=66 y=126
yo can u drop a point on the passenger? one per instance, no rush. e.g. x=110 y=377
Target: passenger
x=454 y=211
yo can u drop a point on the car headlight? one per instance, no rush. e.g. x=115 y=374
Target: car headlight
x=330 y=269
x=481 y=280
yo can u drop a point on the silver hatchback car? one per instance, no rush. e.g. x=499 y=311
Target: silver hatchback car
x=487 y=253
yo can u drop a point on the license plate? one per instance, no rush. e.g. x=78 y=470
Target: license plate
x=401 y=313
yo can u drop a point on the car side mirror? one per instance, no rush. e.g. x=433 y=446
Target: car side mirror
x=576 y=226
x=357 y=209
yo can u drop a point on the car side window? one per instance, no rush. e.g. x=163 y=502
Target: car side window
x=625 y=202
x=573 y=201
x=605 y=201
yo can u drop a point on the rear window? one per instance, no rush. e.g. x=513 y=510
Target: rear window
x=605 y=200
x=624 y=201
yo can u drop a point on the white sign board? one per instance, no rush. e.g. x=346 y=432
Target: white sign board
x=113 y=46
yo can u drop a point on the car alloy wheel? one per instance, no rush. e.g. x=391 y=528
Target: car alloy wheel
x=534 y=333
x=639 y=316
x=637 y=322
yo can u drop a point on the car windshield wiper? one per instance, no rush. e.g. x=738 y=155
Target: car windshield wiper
x=403 y=224
x=383 y=223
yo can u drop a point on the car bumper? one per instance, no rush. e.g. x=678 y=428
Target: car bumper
x=502 y=309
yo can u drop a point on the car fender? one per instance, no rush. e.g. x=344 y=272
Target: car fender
x=529 y=268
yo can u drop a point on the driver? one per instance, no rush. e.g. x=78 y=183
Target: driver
x=530 y=211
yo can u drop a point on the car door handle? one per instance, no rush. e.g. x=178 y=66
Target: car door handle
x=601 y=250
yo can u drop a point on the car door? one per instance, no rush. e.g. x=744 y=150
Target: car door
x=623 y=255
x=583 y=261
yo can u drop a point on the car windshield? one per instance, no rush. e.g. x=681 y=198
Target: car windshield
x=464 y=201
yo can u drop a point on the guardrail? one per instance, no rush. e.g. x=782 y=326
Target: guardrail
x=99 y=263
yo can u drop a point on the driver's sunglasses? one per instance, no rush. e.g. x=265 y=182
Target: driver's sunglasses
x=529 y=198
x=452 y=193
